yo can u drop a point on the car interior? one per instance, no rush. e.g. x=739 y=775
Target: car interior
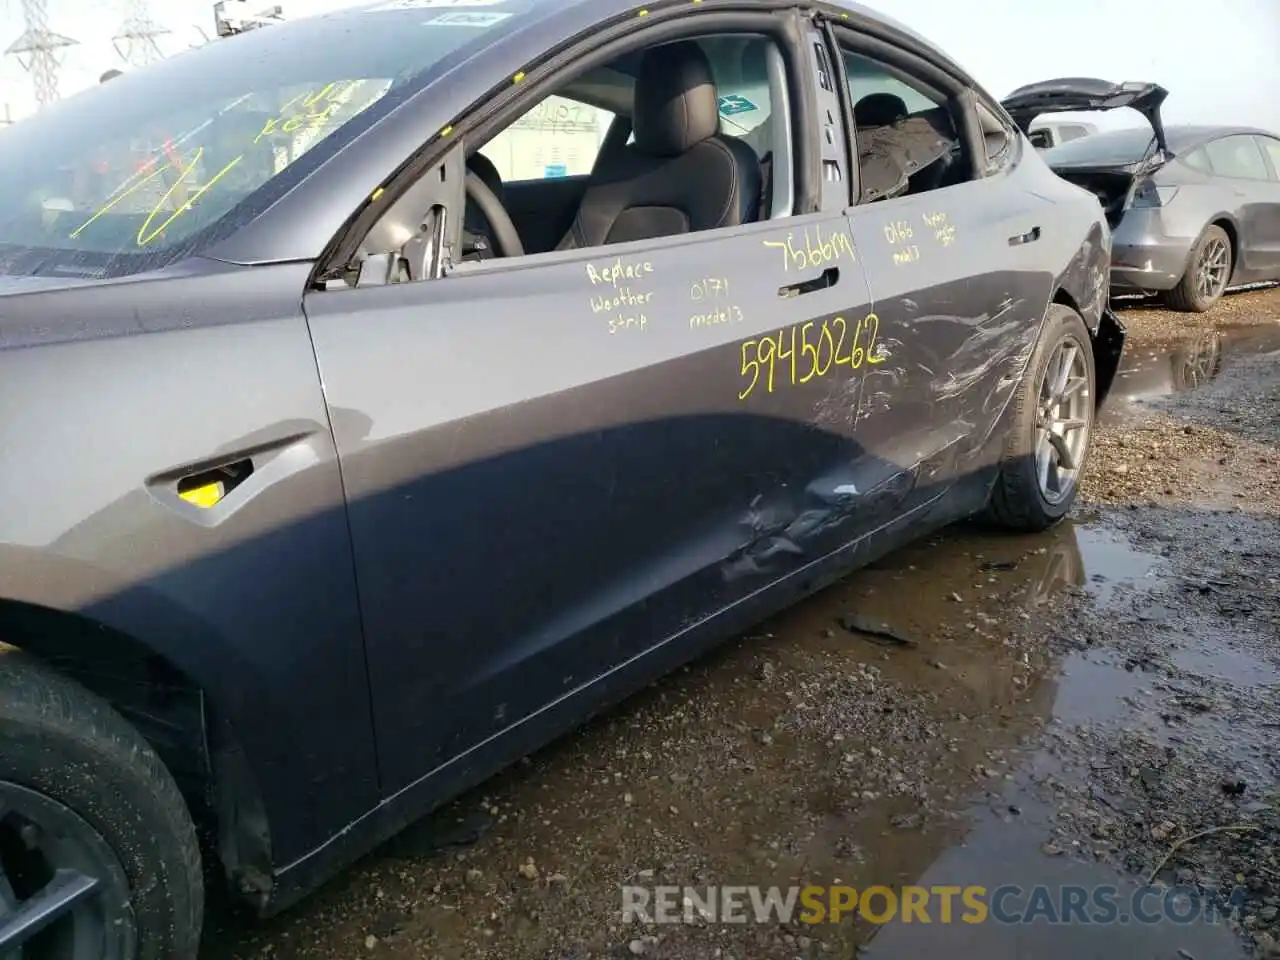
x=670 y=163
x=693 y=145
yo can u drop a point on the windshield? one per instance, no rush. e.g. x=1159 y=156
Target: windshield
x=132 y=173
x=1112 y=148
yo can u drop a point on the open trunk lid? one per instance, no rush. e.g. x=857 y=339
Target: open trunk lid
x=1085 y=94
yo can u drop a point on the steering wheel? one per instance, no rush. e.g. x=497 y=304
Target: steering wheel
x=505 y=236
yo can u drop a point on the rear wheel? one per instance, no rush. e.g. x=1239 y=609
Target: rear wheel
x=1048 y=445
x=1208 y=273
x=98 y=856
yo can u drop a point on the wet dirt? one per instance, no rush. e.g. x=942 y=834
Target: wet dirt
x=1095 y=706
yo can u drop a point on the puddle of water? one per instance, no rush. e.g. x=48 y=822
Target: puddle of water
x=1185 y=693
x=1229 y=664
x=804 y=754
x=1111 y=562
x=1003 y=851
x=1152 y=370
x=1093 y=689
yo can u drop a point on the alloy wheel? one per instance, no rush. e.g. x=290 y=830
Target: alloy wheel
x=1064 y=418
x=1213 y=268
x=63 y=893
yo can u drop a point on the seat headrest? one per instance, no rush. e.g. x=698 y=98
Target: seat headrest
x=675 y=100
x=879 y=110
x=485 y=169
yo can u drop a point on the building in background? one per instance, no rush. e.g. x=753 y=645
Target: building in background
x=557 y=138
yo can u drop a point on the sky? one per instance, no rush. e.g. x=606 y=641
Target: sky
x=1218 y=59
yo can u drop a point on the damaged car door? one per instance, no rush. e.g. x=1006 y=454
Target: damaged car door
x=957 y=283
x=559 y=464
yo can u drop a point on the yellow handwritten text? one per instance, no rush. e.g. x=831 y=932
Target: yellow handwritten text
x=898 y=232
x=625 y=297
x=312 y=109
x=316 y=108
x=797 y=354
x=139 y=180
x=907 y=254
x=709 y=288
x=944 y=230
x=813 y=249
x=145 y=233
x=616 y=272
x=730 y=313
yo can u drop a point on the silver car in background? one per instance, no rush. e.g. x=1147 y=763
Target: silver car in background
x=1193 y=209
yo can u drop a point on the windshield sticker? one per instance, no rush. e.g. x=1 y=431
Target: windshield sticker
x=430 y=4
x=467 y=19
x=734 y=104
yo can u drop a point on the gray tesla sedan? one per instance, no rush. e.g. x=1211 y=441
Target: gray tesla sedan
x=1193 y=209
x=384 y=392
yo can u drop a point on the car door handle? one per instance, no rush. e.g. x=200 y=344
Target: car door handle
x=1031 y=236
x=828 y=278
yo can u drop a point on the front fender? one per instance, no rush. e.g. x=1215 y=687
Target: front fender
x=255 y=601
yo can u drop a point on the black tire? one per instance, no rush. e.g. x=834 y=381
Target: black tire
x=67 y=745
x=1189 y=296
x=1018 y=501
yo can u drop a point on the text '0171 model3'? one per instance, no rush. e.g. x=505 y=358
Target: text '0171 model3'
x=382 y=393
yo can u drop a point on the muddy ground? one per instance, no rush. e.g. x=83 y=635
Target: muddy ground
x=1097 y=705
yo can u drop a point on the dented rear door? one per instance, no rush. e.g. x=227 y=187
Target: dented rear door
x=958 y=295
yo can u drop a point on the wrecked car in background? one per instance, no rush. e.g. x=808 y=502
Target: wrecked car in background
x=1193 y=209
x=318 y=508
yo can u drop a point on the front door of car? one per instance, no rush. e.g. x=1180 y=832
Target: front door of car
x=554 y=463
x=553 y=466
x=958 y=298
x=1269 y=212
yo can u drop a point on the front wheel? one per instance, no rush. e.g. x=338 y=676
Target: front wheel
x=98 y=856
x=1048 y=444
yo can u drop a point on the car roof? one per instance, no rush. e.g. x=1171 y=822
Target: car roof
x=608 y=9
x=1188 y=136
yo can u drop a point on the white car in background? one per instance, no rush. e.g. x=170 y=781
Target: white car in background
x=1050 y=133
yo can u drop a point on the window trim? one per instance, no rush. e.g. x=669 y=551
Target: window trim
x=1256 y=146
x=501 y=108
x=1273 y=160
x=1185 y=159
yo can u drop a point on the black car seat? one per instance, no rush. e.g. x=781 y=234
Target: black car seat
x=477 y=235
x=879 y=110
x=680 y=175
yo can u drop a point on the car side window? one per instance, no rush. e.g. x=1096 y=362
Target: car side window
x=1238 y=157
x=1271 y=146
x=560 y=137
x=1197 y=159
x=908 y=140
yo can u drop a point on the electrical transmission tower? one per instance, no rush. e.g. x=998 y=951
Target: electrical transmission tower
x=136 y=41
x=38 y=50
